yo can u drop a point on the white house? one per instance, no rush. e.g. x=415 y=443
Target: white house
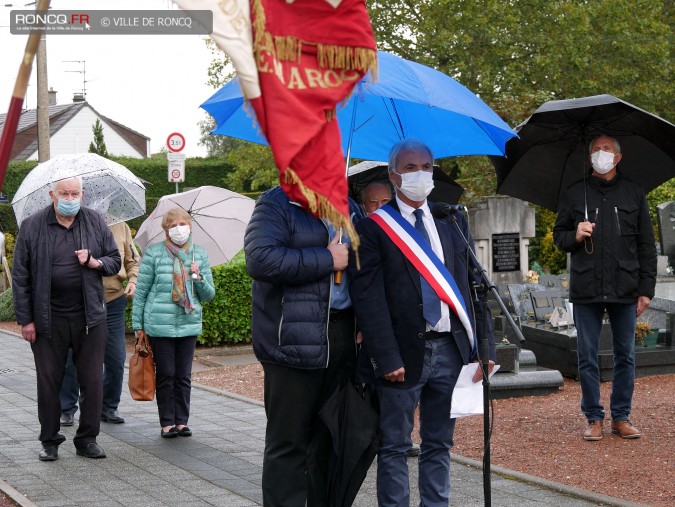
x=71 y=131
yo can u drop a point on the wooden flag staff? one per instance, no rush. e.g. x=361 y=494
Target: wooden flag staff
x=14 y=111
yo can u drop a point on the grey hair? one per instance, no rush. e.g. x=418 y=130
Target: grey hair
x=60 y=180
x=407 y=145
x=617 y=146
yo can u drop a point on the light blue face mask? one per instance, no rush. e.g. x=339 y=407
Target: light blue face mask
x=68 y=208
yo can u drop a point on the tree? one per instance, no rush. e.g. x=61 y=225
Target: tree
x=98 y=144
x=517 y=54
x=254 y=168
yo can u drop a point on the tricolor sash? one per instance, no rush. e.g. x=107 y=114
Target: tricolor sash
x=423 y=258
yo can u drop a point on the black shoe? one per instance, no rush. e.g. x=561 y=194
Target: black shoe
x=414 y=451
x=49 y=453
x=184 y=432
x=91 y=450
x=112 y=416
x=172 y=433
x=67 y=419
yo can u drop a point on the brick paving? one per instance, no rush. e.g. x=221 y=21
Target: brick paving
x=220 y=465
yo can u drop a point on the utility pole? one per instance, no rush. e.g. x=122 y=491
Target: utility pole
x=42 y=102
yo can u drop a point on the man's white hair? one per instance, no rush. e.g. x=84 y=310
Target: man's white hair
x=58 y=181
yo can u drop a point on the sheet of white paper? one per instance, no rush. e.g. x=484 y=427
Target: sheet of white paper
x=467 y=398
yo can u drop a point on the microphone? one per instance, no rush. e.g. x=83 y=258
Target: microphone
x=443 y=209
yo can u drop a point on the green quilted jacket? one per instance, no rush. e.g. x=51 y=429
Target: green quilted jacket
x=153 y=309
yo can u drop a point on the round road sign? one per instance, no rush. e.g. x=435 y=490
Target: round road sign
x=175 y=142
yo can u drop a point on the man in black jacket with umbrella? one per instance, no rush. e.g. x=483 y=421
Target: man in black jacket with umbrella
x=604 y=223
x=61 y=255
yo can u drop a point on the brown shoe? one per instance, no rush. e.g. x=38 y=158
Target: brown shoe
x=625 y=429
x=594 y=430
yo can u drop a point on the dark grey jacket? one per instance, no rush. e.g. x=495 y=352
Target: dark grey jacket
x=31 y=275
x=622 y=262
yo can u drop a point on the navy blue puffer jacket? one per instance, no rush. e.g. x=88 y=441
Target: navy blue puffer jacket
x=292 y=270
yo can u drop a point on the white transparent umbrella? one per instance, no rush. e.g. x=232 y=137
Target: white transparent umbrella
x=219 y=220
x=109 y=187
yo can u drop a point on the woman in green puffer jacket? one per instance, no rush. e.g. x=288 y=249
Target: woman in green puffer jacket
x=174 y=279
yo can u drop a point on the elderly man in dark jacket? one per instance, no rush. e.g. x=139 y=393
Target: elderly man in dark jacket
x=60 y=256
x=604 y=222
x=303 y=334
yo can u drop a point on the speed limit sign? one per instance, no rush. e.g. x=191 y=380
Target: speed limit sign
x=175 y=142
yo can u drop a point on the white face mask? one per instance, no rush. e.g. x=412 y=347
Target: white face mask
x=417 y=185
x=179 y=234
x=603 y=161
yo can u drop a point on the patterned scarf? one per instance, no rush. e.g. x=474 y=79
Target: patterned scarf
x=179 y=293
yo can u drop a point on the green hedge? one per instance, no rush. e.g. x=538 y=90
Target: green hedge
x=7 y=306
x=227 y=318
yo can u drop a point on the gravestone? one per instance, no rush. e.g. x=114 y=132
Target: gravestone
x=556 y=282
x=666 y=218
x=544 y=302
x=502 y=227
x=517 y=299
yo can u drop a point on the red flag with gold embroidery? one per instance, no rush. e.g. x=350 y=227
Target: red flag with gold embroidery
x=310 y=54
x=296 y=60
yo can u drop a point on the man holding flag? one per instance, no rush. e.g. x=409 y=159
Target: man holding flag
x=412 y=302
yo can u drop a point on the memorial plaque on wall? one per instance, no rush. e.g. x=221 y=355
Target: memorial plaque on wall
x=505 y=252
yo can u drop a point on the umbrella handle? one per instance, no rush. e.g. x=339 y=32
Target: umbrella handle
x=194 y=276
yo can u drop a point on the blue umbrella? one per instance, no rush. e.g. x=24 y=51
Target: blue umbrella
x=408 y=100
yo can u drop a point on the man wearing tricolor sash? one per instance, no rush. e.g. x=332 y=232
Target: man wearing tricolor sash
x=413 y=303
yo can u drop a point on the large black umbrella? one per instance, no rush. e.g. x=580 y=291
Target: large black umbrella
x=552 y=150
x=362 y=174
x=352 y=417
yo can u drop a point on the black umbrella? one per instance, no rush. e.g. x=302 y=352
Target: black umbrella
x=362 y=174
x=352 y=417
x=551 y=152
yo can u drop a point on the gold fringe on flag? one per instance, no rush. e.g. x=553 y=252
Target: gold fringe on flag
x=289 y=48
x=346 y=57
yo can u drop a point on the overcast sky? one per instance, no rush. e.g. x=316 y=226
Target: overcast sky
x=151 y=83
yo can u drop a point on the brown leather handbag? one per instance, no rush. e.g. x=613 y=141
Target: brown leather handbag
x=142 y=370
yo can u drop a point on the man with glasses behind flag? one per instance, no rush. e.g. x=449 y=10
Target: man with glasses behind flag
x=412 y=301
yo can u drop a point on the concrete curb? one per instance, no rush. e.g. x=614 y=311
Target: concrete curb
x=15 y=496
x=544 y=483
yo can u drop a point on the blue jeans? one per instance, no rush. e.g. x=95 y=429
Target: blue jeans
x=588 y=321
x=433 y=391
x=113 y=365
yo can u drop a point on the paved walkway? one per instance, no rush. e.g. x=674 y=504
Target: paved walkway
x=220 y=465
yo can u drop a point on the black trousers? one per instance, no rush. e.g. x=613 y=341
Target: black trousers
x=173 y=373
x=50 y=363
x=297 y=445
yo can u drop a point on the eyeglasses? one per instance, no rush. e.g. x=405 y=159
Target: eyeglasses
x=378 y=202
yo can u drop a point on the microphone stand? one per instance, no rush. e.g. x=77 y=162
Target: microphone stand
x=480 y=297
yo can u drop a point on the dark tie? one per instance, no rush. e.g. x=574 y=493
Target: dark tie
x=430 y=301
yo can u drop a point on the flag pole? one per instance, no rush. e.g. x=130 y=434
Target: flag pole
x=338 y=274
x=20 y=86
